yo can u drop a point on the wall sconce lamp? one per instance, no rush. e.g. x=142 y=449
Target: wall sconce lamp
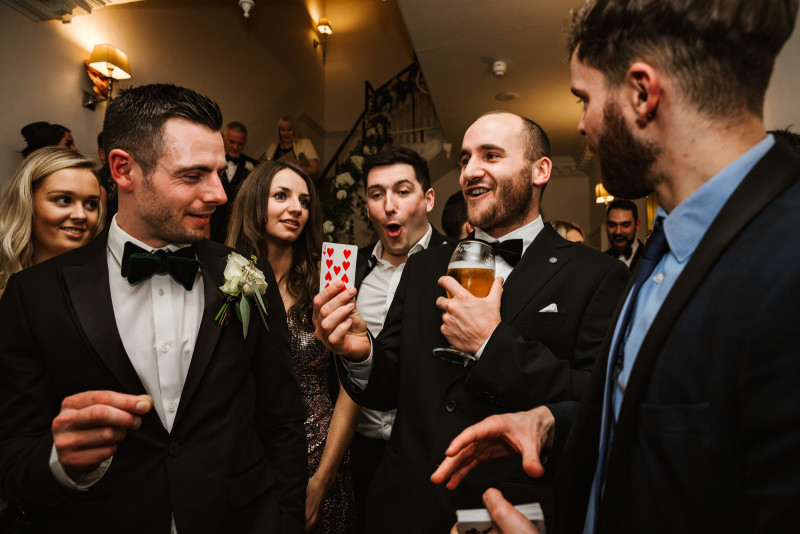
x=324 y=29
x=601 y=195
x=106 y=64
x=246 y=6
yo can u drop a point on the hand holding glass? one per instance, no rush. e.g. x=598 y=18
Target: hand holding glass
x=472 y=266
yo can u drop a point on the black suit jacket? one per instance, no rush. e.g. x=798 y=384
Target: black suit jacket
x=531 y=358
x=636 y=255
x=220 y=217
x=709 y=430
x=235 y=458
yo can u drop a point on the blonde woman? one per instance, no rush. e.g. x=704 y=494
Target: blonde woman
x=50 y=205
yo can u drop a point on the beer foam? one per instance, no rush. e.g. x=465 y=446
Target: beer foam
x=470 y=265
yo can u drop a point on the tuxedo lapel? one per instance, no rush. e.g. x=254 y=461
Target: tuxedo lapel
x=541 y=261
x=771 y=176
x=212 y=267
x=90 y=296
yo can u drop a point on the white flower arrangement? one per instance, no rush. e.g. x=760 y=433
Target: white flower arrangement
x=328 y=227
x=244 y=283
x=248 y=166
x=341 y=194
x=345 y=180
x=358 y=161
x=370 y=132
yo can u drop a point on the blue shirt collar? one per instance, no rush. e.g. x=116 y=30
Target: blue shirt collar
x=688 y=222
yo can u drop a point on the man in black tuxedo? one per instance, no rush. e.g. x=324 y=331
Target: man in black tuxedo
x=536 y=335
x=399 y=196
x=622 y=224
x=695 y=401
x=124 y=405
x=238 y=166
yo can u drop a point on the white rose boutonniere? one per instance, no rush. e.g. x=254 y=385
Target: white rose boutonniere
x=248 y=166
x=244 y=284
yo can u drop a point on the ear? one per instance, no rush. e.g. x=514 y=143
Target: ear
x=121 y=165
x=429 y=199
x=540 y=172
x=645 y=84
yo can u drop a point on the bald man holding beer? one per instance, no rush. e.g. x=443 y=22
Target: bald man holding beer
x=534 y=337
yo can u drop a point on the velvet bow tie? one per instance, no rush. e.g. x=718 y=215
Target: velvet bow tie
x=138 y=264
x=510 y=250
x=234 y=160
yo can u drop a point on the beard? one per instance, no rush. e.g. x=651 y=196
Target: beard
x=626 y=163
x=514 y=197
x=164 y=220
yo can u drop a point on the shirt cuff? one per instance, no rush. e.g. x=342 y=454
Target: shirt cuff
x=482 y=347
x=359 y=371
x=84 y=482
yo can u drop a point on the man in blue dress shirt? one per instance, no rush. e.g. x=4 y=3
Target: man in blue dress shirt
x=695 y=404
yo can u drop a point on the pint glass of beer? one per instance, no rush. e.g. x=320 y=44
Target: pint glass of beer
x=472 y=265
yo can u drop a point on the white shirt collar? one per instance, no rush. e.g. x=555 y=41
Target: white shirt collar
x=527 y=233
x=422 y=244
x=117 y=237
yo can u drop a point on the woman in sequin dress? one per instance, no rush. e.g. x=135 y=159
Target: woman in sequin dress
x=276 y=215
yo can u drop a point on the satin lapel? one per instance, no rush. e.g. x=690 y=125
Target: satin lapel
x=212 y=268
x=543 y=259
x=362 y=262
x=90 y=296
x=776 y=172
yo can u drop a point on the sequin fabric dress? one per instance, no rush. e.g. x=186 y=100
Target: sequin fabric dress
x=311 y=360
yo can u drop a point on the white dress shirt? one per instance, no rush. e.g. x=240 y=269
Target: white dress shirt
x=158 y=322
x=375 y=295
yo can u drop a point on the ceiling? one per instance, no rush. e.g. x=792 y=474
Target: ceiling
x=456 y=42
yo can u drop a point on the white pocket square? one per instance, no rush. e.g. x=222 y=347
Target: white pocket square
x=552 y=308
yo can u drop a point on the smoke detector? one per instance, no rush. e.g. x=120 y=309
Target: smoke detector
x=499 y=68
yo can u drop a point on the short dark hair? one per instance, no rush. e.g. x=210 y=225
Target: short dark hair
x=134 y=121
x=391 y=155
x=100 y=140
x=41 y=134
x=721 y=51
x=236 y=127
x=791 y=138
x=537 y=144
x=623 y=204
x=454 y=215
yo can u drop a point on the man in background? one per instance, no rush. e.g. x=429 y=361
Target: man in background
x=238 y=166
x=622 y=224
x=454 y=218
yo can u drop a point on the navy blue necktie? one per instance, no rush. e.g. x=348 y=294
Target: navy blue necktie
x=654 y=250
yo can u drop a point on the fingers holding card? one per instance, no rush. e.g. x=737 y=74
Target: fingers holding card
x=338 y=264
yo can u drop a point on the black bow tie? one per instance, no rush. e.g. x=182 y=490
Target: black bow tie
x=627 y=252
x=234 y=160
x=510 y=250
x=138 y=264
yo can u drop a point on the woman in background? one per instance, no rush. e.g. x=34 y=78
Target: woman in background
x=50 y=205
x=569 y=231
x=276 y=215
x=293 y=149
x=41 y=134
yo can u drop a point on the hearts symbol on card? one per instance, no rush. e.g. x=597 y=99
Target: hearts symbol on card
x=345 y=279
x=326 y=285
x=346 y=264
x=337 y=269
x=328 y=277
x=346 y=253
x=329 y=251
x=329 y=263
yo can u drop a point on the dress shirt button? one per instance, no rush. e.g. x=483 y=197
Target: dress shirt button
x=164 y=348
x=450 y=406
x=161 y=292
x=174 y=449
x=658 y=278
x=386 y=426
x=172 y=407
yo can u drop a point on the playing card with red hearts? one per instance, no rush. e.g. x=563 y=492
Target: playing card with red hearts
x=338 y=263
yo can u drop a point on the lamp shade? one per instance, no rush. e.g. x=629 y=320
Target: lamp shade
x=324 y=26
x=110 y=61
x=601 y=195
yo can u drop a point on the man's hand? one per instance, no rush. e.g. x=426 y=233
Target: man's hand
x=505 y=518
x=497 y=436
x=337 y=323
x=90 y=425
x=467 y=321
